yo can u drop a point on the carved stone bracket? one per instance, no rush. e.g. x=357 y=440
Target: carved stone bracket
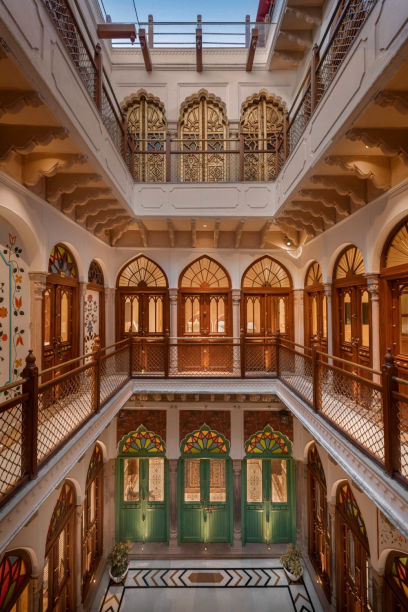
x=24 y=139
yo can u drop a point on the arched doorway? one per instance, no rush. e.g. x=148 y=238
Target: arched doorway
x=59 y=570
x=315 y=306
x=266 y=307
x=146 y=121
x=268 y=489
x=142 y=307
x=396 y=582
x=203 y=126
x=205 y=504
x=352 y=554
x=15 y=573
x=319 y=532
x=92 y=520
x=60 y=309
x=142 y=488
x=261 y=125
x=205 y=317
x=351 y=308
x=94 y=307
x=394 y=296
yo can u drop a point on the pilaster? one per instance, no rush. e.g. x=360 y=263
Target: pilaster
x=298 y=308
x=236 y=329
x=173 y=504
x=332 y=529
x=173 y=297
x=236 y=470
x=373 y=288
x=82 y=297
x=110 y=319
x=328 y=294
x=38 y=281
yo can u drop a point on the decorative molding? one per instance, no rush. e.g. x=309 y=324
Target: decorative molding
x=307 y=228
x=82 y=195
x=135 y=98
x=373 y=168
x=395 y=99
x=117 y=234
x=104 y=215
x=111 y=223
x=309 y=15
x=196 y=97
x=37 y=165
x=389 y=141
x=343 y=185
x=316 y=209
x=24 y=139
x=15 y=100
x=67 y=183
x=86 y=211
x=329 y=198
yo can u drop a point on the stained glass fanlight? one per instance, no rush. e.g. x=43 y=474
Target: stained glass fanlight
x=95 y=464
x=61 y=262
x=315 y=464
x=15 y=570
x=314 y=276
x=347 y=504
x=350 y=263
x=204 y=442
x=142 y=443
x=95 y=274
x=268 y=443
x=64 y=505
x=397 y=253
x=265 y=272
x=399 y=575
x=204 y=273
x=142 y=272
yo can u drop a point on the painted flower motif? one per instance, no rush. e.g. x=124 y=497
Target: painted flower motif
x=12 y=239
x=4 y=337
x=19 y=341
x=3 y=312
x=90 y=327
x=90 y=298
x=19 y=278
x=18 y=302
x=18 y=363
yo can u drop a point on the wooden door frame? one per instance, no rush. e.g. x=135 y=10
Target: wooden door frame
x=69 y=521
x=313 y=479
x=182 y=293
x=286 y=292
x=145 y=292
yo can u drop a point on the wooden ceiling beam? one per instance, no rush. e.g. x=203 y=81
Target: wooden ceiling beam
x=193 y=233
x=251 y=50
x=172 y=237
x=217 y=232
x=238 y=233
x=116 y=30
x=145 y=49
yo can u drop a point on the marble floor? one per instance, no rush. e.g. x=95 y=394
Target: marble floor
x=207 y=585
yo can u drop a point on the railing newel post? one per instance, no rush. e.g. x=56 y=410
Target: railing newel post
x=98 y=76
x=277 y=344
x=29 y=425
x=97 y=374
x=392 y=444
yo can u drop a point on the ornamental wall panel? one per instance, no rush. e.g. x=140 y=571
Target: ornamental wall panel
x=91 y=318
x=130 y=419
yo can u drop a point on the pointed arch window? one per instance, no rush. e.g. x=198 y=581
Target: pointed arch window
x=146 y=122
x=62 y=262
x=315 y=306
x=92 y=519
x=261 y=125
x=396 y=582
x=203 y=127
x=15 y=572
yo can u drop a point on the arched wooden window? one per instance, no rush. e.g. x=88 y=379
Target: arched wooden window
x=146 y=121
x=60 y=308
x=394 y=295
x=59 y=571
x=261 y=124
x=202 y=126
x=351 y=308
x=315 y=306
x=15 y=572
x=319 y=529
x=396 y=582
x=204 y=314
x=352 y=554
x=92 y=519
x=94 y=307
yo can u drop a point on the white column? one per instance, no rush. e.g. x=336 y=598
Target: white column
x=82 y=296
x=328 y=293
x=110 y=333
x=298 y=308
x=372 y=286
x=173 y=297
x=236 y=331
x=38 y=282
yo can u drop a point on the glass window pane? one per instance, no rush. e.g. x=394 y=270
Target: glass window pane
x=257 y=316
x=131 y=480
x=324 y=316
x=45 y=585
x=218 y=491
x=282 y=316
x=347 y=318
x=351 y=555
x=135 y=315
x=314 y=315
x=403 y=308
x=254 y=480
x=250 y=326
x=188 y=313
x=127 y=316
x=64 y=317
x=278 y=478
x=196 y=315
x=92 y=501
x=221 y=316
x=159 y=315
x=365 y=327
x=156 y=479
x=192 y=480
x=213 y=315
x=152 y=315
x=47 y=318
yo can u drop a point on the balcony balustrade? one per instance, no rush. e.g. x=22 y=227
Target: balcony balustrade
x=43 y=410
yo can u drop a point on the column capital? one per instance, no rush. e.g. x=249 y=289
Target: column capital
x=173 y=293
x=327 y=289
x=373 y=285
x=236 y=296
x=38 y=282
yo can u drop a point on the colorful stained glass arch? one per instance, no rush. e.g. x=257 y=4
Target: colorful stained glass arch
x=347 y=504
x=95 y=464
x=142 y=443
x=265 y=273
x=15 y=570
x=315 y=464
x=95 y=274
x=204 y=442
x=268 y=443
x=398 y=573
x=65 y=504
x=61 y=262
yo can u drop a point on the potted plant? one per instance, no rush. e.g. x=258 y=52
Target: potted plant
x=119 y=562
x=291 y=561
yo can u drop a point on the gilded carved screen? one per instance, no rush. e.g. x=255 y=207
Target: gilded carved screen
x=147 y=123
x=261 y=124
x=203 y=130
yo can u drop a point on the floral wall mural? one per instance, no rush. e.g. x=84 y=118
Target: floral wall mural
x=14 y=315
x=91 y=318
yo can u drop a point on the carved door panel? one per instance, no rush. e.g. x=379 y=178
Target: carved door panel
x=58 y=325
x=355 y=324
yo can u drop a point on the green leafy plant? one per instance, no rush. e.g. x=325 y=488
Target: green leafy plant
x=119 y=559
x=291 y=560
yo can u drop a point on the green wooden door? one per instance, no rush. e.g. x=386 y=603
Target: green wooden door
x=142 y=489
x=268 y=490
x=205 y=504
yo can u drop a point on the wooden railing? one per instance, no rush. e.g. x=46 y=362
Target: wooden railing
x=43 y=410
x=244 y=158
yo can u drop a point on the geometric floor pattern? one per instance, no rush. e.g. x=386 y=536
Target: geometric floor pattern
x=282 y=594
